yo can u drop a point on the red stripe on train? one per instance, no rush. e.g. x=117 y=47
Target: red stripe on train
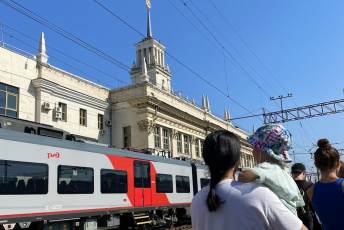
x=127 y=164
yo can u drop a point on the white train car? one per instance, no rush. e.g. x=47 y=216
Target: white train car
x=45 y=181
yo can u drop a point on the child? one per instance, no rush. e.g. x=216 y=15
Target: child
x=270 y=149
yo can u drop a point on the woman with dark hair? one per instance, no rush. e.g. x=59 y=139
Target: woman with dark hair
x=227 y=204
x=327 y=195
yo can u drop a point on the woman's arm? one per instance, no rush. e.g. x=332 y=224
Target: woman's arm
x=247 y=176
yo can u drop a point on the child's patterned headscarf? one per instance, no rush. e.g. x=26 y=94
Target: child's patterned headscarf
x=273 y=140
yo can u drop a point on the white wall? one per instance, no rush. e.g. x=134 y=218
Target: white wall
x=54 y=86
x=18 y=70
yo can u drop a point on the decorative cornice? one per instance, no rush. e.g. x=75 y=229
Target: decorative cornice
x=73 y=76
x=150 y=68
x=69 y=94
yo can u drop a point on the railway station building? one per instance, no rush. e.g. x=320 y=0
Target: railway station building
x=146 y=116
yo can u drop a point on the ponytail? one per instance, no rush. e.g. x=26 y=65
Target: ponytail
x=221 y=152
x=213 y=200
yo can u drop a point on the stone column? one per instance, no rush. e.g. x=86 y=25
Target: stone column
x=38 y=104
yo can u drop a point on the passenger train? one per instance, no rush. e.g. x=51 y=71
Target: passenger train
x=46 y=183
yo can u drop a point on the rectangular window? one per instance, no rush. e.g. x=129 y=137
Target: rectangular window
x=126 y=137
x=186 y=144
x=75 y=180
x=166 y=139
x=113 y=181
x=157 y=137
x=23 y=178
x=63 y=107
x=183 y=184
x=83 y=117
x=100 y=121
x=9 y=100
x=142 y=174
x=204 y=182
x=179 y=143
x=164 y=183
x=197 y=148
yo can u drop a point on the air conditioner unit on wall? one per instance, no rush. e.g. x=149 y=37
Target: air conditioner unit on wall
x=58 y=116
x=58 y=110
x=47 y=105
x=58 y=113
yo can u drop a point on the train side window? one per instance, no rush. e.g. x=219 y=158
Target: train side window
x=204 y=182
x=18 y=177
x=164 y=183
x=183 y=184
x=142 y=174
x=113 y=181
x=75 y=180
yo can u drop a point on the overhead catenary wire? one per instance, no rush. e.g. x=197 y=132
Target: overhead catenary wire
x=30 y=14
x=235 y=30
x=255 y=71
x=216 y=47
x=54 y=57
x=194 y=25
x=268 y=70
x=108 y=75
x=228 y=53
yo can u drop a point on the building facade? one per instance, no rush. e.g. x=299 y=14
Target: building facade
x=33 y=90
x=146 y=115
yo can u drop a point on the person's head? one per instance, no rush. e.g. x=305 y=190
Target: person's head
x=341 y=170
x=221 y=152
x=271 y=143
x=326 y=158
x=298 y=171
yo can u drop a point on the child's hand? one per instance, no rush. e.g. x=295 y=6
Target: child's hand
x=247 y=176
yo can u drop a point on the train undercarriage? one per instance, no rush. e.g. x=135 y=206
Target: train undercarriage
x=154 y=219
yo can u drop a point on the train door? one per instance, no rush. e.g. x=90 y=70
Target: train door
x=142 y=183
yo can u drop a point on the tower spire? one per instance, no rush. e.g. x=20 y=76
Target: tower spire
x=42 y=56
x=204 y=102
x=149 y=25
x=227 y=115
x=207 y=103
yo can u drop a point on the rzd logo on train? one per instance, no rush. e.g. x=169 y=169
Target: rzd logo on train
x=54 y=155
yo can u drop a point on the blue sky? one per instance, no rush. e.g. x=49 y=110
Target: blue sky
x=299 y=45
